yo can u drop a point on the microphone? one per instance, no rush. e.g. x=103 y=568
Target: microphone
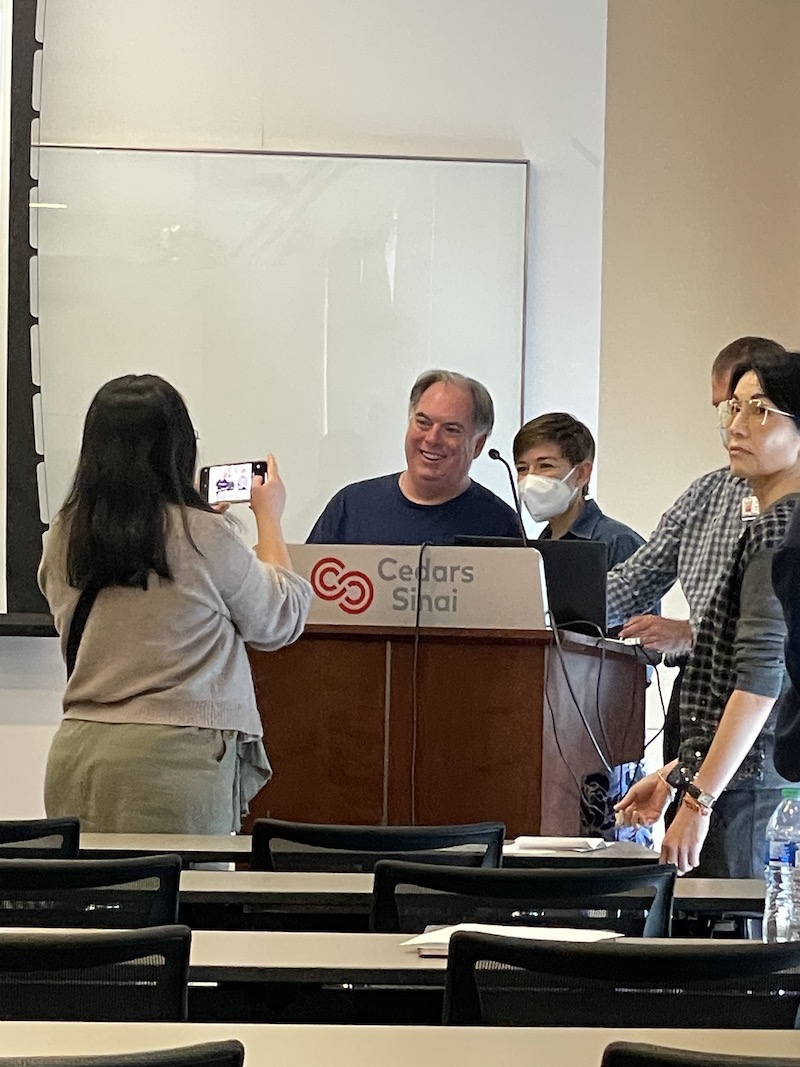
x=494 y=454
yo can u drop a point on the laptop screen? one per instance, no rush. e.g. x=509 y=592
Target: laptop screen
x=575 y=572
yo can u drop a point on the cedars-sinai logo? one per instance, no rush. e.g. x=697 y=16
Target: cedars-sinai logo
x=353 y=589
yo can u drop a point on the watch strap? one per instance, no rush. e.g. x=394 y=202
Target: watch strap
x=705 y=800
x=681 y=778
x=695 y=805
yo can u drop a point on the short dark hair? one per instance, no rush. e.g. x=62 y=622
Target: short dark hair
x=572 y=437
x=740 y=351
x=138 y=454
x=482 y=406
x=779 y=375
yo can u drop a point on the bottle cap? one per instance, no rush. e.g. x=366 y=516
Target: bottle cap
x=793 y=792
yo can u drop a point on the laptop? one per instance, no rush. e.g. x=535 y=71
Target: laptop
x=575 y=572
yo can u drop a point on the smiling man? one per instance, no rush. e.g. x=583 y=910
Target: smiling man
x=433 y=499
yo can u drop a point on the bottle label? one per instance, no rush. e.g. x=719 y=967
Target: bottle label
x=783 y=852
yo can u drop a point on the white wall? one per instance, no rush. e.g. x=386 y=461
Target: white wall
x=702 y=227
x=471 y=78
x=701 y=232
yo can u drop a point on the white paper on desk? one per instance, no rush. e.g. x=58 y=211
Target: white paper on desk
x=557 y=844
x=435 y=942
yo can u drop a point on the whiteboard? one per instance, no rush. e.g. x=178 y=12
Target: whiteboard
x=292 y=299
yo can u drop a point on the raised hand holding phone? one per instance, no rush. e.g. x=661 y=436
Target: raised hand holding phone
x=267 y=501
x=268 y=493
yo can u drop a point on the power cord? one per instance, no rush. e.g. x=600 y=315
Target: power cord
x=638 y=651
x=654 y=664
x=601 y=645
x=414 y=685
x=576 y=702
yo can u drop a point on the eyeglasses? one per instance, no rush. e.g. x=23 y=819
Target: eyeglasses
x=755 y=410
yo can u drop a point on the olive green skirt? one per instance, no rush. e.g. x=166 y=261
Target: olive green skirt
x=130 y=778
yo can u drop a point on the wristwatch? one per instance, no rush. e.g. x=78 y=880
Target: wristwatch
x=681 y=778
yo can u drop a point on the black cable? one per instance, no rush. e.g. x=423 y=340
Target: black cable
x=564 y=759
x=601 y=634
x=640 y=650
x=414 y=685
x=576 y=702
x=661 y=700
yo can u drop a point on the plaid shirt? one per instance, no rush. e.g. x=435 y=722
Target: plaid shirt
x=692 y=543
x=711 y=671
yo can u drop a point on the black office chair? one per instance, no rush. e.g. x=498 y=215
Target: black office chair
x=209 y=1054
x=119 y=893
x=508 y=981
x=358 y=848
x=635 y=1054
x=108 y=976
x=407 y=897
x=39 y=839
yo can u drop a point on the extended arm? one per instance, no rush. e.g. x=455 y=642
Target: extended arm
x=646 y=576
x=757 y=683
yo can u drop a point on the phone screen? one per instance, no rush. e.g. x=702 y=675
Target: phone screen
x=230 y=483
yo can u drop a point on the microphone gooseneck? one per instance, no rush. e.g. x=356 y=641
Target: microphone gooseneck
x=494 y=454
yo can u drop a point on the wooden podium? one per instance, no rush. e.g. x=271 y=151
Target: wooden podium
x=368 y=721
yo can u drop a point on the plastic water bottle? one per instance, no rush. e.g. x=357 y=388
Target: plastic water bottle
x=782 y=871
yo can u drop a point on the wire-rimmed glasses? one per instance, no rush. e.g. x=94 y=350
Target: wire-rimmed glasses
x=756 y=410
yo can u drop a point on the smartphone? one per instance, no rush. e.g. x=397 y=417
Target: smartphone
x=230 y=483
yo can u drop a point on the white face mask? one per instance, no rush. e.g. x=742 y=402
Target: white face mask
x=546 y=497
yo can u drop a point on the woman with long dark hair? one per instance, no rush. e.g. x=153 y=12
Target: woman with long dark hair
x=161 y=732
x=724 y=773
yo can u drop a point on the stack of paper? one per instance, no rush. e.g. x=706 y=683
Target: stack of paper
x=555 y=844
x=435 y=942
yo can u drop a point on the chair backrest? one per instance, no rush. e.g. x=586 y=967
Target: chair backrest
x=39 y=839
x=322 y=847
x=407 y=897
x=99 y=976
x=209 y=1054
x=507 y=981
x=636 y=1054
x=121 y=893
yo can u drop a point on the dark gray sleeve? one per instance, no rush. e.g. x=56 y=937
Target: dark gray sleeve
x=760 y=631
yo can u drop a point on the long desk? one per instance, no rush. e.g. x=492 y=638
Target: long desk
x=229 y=848
x=353 y=891
x=309 y=958
x=391 y=1046
x=279 y=976
x=192 y=848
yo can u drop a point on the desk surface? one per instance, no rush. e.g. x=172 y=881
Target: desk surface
x=353 y=891
x=395 y=1046
x=310 y=957
x=195 y=848
x=229 y=848
x=313 y=958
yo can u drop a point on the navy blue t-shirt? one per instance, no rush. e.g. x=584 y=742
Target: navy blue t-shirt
x=375 y=512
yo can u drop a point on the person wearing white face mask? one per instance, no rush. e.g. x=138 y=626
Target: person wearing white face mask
x=546 y=497
x=554 y=457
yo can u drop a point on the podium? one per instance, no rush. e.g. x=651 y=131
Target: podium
x=428 y=688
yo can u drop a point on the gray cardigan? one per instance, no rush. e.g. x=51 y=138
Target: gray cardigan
x=174 y=653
